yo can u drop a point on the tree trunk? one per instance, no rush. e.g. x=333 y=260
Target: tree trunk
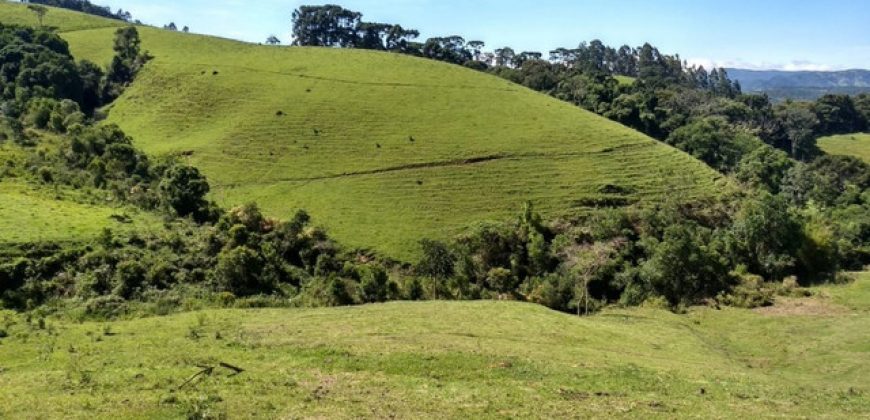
x=586 y=296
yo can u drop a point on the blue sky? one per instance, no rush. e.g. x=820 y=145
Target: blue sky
x=762 y=34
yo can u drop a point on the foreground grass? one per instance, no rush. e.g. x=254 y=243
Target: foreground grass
x=857 y=145
x=382 y=149
x=441 y=359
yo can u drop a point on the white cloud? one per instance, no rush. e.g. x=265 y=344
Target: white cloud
x=808 y=66
x=795 y=65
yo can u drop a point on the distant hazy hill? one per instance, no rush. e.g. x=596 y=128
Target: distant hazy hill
x=782 y=85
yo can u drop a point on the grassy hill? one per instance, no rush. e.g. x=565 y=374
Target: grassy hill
x=34 y=214
x=14 y=12
x=383 y=149
x=857 y=145
x=801 y=358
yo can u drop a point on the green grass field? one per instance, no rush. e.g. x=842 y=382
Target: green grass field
x=36 y=214
x=380 y=148
x=806 y=358
x=14 y=12
x=857 y=145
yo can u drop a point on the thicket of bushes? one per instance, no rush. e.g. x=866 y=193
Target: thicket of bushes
x=685 y=254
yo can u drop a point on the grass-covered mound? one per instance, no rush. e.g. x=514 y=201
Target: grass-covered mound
x=383 y=149
x=805 y=357
x=857 y=145
x=30 y=214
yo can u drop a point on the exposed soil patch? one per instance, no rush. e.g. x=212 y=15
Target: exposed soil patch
x=812 y=306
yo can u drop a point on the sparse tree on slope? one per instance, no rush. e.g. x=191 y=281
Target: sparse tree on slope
x=273 y=40
x=40 y=12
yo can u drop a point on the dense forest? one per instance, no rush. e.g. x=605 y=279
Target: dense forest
x=801 y=217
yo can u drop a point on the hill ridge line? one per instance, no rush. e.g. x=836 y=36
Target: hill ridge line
x=444 y=163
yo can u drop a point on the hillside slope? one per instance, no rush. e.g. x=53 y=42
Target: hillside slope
x=805 y=358
x=32 y=214
x=35 y=213
x=14 y=12
x=383 y=149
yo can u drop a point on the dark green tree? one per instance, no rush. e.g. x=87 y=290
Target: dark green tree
x=713 y=141
x=505 y=56
x=436 y=261
x=375 y=285
x=766 y=236
x=92 y=78
x=837 y=115
x=183 y=189
x=128 y=60
x=239 y=271
x=800 y=124
x=764 y=168
x=325 y=26
x=687 y=264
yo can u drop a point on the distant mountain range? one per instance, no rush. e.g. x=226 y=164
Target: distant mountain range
x=802 y=85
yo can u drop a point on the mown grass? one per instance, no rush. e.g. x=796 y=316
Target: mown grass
x=443 y=359
x=857 y=145
x=30 y=214
x=380 y=148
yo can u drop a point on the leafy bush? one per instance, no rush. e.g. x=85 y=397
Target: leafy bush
x=766 y=236
x=715 y=142
x=129 y=278
x=687 y=264
x=183 y=189
x=376 y=285
x=106 y=307
x=239 y=271
x=437 y=260
x=750 y=292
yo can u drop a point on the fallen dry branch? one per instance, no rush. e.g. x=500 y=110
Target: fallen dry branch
x=235 y=369
x=207 y=370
